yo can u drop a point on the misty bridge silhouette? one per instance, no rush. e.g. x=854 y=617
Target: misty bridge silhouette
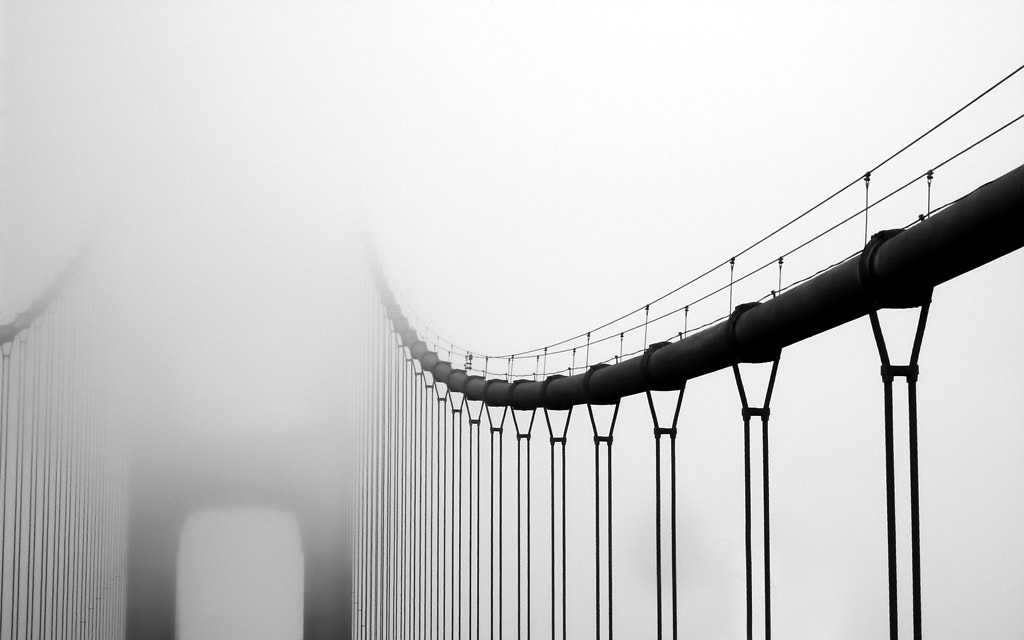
x=417 y=546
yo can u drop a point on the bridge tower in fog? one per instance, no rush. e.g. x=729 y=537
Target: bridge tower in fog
x=232 y=475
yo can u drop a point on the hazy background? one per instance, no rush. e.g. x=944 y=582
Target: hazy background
x=528 y=170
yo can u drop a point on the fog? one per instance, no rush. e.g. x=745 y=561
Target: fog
x=525 y=172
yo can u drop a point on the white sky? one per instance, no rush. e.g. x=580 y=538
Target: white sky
x=529 y=170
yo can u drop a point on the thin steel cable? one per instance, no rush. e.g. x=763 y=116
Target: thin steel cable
x=403 y=484
x=910 y=373
x=48 y=484
x=478 y=518
x=519 y=538
x=5 y=413
x=671 y=432
x=598 y=439
x=747 y=413
x=760 y=241
x=657 y=529
x=611 y=555
x=19 y=468
x=490 y=547
x=70 y=528
x=767 y=531
x=564 y=579
x=553 y=527
x=501 y=534
x=428 y=417
x=457 y=522
x=915 y=509
x=597 y=538
x=446 y=566
x=672 y=497
x=424 y=510
x=37 y=420
x=55 y=505
x=469 y=531
x=529 y=541
x=746 y=526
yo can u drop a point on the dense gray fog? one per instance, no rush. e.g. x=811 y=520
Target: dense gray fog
x=525 y=171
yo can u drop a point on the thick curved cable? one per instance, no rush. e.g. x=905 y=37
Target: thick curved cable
x=749 y=274
x=461 y=351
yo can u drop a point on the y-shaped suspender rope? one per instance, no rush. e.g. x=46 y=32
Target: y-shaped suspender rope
x=426 y=475
x=910 y=372
x=496 y=434
x=521 y=437
x=671 y=433
x=598 y=439
x=763 y=412
x=560 y=440
x=409 y=520
x=391 y=532
x=19 y=470
x=5 y=414
x=431 y=504
x=476 y=533
x=474 y=599
x=443 y=515
x=457 y=519
x=433 y=529
x=379 y=381
x=403 y=555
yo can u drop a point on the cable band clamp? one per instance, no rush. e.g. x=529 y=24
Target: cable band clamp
x=890 y=371
x=751 y=412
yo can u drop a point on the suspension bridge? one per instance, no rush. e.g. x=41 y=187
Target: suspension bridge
x=437 y=536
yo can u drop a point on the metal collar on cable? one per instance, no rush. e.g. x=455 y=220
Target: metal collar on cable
x=895 y=268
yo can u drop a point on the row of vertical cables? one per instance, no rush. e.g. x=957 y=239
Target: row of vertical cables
x=419 y=530
x=63 y=470
x=417 y=550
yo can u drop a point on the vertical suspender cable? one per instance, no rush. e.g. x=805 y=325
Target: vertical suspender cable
x=445 y=565
x=405 y=553
x=607 y=440
x=5 y=414
x=671 y=432
x=38 y=425
x=764 y=413
x=385 y=454
x=867 y=191
x=438 y=514
x=564 y=583
x=477 y=532
x=421 y=513
x=60 y=624
x=559 y=546
x=457 y=517
x=428 y=412
x=469 y=530
x=60 y=472
x=496 y=436
x=910 y=372
x=51 y=401
x=523 y=437
x=928 y=203
x=28 y=359
x=381 y=475
x=732 y=273
x=70 y=529
x=553 y=441
x=373 y=573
